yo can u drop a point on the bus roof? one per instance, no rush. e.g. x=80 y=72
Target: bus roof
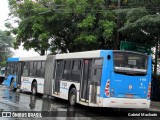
x=32 y=58
x=12 y=59
x=86 y=54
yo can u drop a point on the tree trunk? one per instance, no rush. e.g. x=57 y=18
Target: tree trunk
x=42 y=52
x=118 y=26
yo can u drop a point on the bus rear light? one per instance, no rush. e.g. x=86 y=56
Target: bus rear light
x=107 y=92
x=149 y=91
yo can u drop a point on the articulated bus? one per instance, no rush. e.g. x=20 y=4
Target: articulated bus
x=13 y=73
x=100 y=78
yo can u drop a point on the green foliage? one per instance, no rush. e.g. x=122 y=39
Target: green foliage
x=77 y=25
x=87 y=22
x=5 y=45
x=63 y=25
x=137 y=24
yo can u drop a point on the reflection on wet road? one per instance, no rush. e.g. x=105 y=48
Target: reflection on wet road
x=14 y=101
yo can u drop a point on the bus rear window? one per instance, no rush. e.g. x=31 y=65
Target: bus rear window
x=130 y=63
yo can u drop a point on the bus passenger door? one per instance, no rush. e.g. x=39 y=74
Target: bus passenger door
x=85 y=82
x=96 y=78
x=19 y=73
x=58 y=76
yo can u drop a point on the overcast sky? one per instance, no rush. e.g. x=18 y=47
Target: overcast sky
x=4 y=10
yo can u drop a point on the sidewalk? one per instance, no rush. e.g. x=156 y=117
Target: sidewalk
x=155 y=105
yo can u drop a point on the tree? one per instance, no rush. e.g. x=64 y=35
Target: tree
x=5 y=45
x=64 y=25
x=142 y=24
x=132 y=20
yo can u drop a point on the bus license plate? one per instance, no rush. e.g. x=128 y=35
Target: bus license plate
x=129 y=96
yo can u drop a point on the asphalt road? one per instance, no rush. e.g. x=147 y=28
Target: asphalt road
x=37 y=107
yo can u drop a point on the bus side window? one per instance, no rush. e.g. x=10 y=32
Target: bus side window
x=66 y=73
x=39 y=69
x=42 y=69
x=11 y=68
x=31 y=69
x=26 y=69
x=97 y=70
x=15 y=69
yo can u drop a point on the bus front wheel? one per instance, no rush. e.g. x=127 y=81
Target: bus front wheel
x=72 y=97
x=34 y=88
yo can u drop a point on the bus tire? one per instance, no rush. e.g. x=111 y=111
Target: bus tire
x=34 y=88
x=72 y=97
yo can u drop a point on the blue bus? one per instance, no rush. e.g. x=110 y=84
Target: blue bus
x=13 y=73
x=101 y=78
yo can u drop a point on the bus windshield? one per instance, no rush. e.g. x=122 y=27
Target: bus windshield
x=130 y=63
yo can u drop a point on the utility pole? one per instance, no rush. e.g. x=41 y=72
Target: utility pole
x=118 y=25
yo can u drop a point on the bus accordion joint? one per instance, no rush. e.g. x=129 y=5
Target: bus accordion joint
x=107 y=91
x=149 y=91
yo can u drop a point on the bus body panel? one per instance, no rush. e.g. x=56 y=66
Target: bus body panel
x=106 y=70
x=7 y=81
x=125 y=103
x=125 y=91
x=12 y=59
x=64 y=89
x=10 y=76
x=27 y=79
x=87 y=54
x=128 y=86
x=26 y=84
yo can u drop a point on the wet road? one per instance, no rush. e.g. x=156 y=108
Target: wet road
x=57 y=109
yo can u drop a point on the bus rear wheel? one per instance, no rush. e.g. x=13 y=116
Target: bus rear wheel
x=72 y=97
x=34 y=88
